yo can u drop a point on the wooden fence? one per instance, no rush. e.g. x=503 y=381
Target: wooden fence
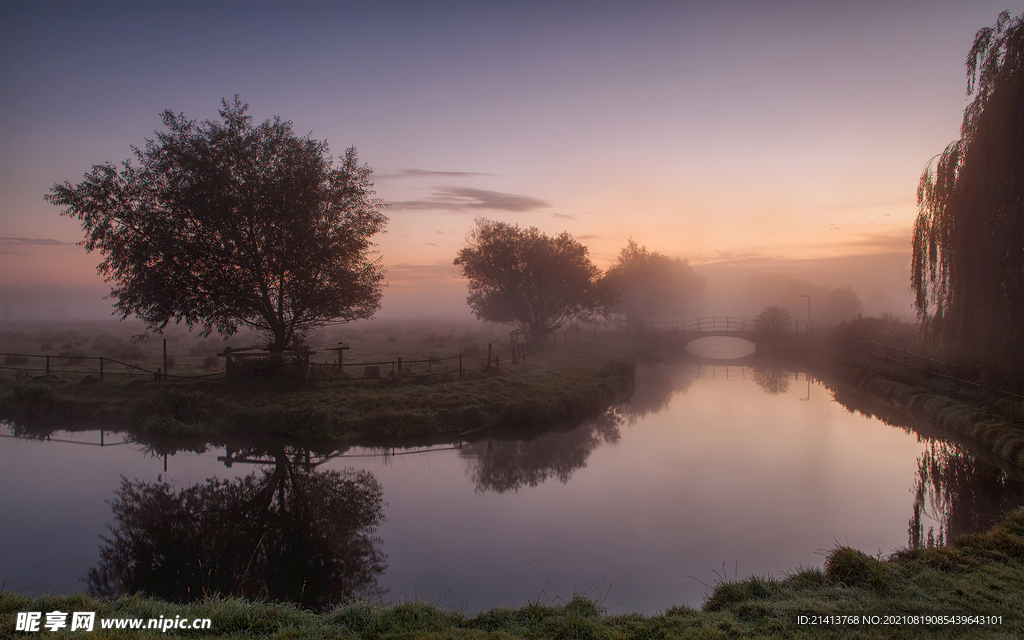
x=289 y=365
x=930 y=366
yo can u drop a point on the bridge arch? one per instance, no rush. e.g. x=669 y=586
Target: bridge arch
x=707 y=327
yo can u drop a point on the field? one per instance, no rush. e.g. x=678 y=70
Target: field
x=556 y=384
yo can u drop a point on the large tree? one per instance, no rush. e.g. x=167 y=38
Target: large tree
x=968 y=247
x=528 y=279
x=650 y=284
x=228 y=224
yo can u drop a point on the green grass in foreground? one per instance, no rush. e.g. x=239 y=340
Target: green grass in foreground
x=557 y=384
x=980 y=574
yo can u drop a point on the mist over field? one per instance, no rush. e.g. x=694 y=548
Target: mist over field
x=739 y=288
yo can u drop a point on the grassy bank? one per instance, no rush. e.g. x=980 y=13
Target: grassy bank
x=976 y=575
x=991 y=423
x=558 y=384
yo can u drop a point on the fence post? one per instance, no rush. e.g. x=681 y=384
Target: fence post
x=399 y=365
x=488 y=355
x=101 y=372
x=165 y=359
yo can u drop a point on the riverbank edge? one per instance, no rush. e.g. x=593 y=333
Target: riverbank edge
x=975 y=575
x=557 y=387
x=997 y=437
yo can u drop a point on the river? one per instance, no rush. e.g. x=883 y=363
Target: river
x=710 y=472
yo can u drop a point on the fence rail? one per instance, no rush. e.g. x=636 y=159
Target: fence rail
x=400 y=368
x=931 y=366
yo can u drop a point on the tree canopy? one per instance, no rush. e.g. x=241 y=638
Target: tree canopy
x=968 y=247
x=528 y=279
x=650 y=284
x=228 y=224
x=773 y=321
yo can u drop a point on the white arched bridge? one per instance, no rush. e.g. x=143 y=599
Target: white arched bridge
x=708 y=327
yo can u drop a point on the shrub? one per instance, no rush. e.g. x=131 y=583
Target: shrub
x=774 y=320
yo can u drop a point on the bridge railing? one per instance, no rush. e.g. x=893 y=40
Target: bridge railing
x=710 y=323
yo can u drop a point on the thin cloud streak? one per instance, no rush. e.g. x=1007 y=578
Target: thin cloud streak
x=860 y=244
x=420 y=173
x=36 y=241
x=900 y=202
x=464 y=199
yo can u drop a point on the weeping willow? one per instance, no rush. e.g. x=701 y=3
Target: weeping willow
x=968 y=244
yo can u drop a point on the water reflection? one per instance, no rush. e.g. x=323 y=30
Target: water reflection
x=289 y=533
x=772 y=380
x=953 y=487
x=960 y=493
x=653 y=392
x=502 y=465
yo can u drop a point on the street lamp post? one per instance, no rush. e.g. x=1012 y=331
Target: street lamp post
x=808 y=296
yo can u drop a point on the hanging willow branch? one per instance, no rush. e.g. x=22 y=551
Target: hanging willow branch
x=968 y=244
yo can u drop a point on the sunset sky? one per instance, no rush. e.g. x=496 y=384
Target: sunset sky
x=731 y=134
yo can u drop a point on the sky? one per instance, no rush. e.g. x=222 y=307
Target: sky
x=742 y=136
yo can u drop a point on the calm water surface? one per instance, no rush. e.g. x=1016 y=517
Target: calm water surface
x=709 y=472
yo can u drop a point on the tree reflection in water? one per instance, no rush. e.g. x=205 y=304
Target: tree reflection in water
x=290 y=533
x=963 y=494
x=773 y=381
x=506 y=465
x=653 y=392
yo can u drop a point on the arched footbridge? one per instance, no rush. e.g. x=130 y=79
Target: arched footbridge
x=709 y=327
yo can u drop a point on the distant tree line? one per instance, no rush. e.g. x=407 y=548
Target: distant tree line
x=829 y=305
x=538 y=283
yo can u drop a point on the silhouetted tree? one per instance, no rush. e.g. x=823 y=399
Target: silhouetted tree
x=773 y=321
x=227 y=224
x=968 y=248
x=285 y=534
x=650 y=284
x=525 y=278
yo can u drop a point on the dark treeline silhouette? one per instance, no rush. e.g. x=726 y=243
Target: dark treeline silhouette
x=288 y=533
x=968 y=247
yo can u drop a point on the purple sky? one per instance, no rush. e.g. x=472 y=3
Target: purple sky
x=767 y=131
